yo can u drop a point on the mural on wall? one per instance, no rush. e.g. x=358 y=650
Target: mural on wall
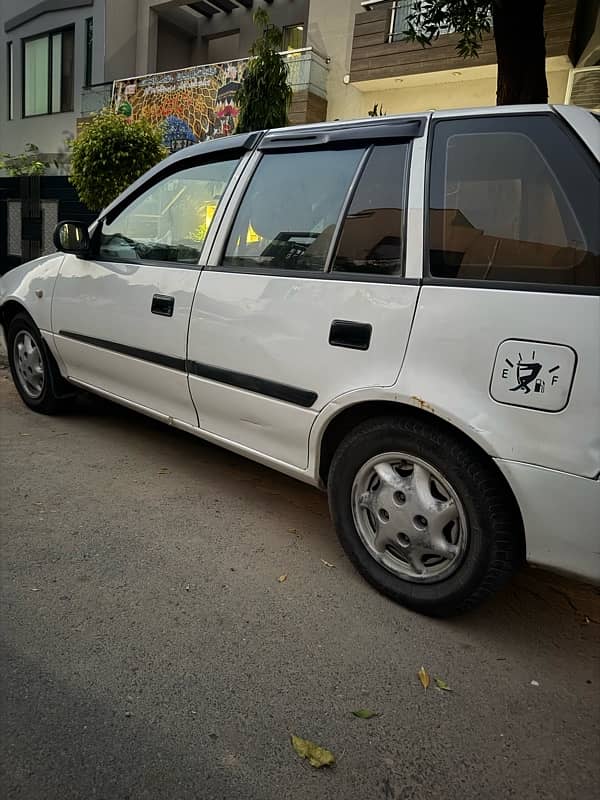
x=194 y=104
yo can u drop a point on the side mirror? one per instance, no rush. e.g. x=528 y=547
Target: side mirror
x=72 y=237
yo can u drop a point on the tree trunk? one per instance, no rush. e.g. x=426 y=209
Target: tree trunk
x=521 y=51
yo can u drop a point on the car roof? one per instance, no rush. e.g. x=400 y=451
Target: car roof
x=350 y=123
x=451 y=112
x=485 y=111
x=248 y=141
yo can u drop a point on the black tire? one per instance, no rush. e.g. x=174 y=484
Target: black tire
x=56 y=394
x=494 y=541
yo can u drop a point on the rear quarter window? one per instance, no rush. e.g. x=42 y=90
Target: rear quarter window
x=513 y=199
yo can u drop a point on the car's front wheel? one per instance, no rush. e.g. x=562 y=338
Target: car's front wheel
x=423 y=515
x=33 y=369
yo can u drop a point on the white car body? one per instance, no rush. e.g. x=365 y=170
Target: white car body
x=436 y=347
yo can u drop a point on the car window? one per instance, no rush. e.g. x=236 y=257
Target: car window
x=373 y=231
x=513 y=199
x=169 y=222
x=289 y=212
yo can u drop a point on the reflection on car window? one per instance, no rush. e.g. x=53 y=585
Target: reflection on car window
x=512 y=199
x=170 y=221
x=371 y=241
x=289 y=212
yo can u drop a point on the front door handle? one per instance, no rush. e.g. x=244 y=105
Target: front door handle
x=355 y=335
x=163 y=305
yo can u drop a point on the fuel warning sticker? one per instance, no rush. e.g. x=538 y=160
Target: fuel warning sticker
x=533 y=374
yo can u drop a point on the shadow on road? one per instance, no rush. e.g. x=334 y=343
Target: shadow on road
x=149 y=650
x=534 y=597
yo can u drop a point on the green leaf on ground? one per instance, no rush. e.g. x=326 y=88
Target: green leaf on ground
x=364 y=713
x=442 y=685
x=317 y=756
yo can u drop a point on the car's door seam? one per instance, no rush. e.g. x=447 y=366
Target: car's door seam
x=187 y=346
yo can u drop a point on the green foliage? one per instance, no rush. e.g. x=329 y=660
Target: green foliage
x=470 y=18
x=264 y=95
x=27 y=163
x=110 y=153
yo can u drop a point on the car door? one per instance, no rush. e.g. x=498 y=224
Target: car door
x=306 y=297
x=120 y=318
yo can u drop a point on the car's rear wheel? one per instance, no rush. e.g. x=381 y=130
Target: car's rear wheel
x=423 y=515
x=34 y=371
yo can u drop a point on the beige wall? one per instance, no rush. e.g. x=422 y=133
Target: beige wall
x=557 y=86
x=461 y=94
x=330 y=29
x=173 y=47
x=146 y=40
x=120 y=38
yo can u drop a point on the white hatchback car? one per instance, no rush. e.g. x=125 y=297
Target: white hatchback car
x=403 y=310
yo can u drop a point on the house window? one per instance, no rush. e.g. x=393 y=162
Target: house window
x=398 y=25
x=48 y=73
x=10 y=79
x=293 y=37
x=89 y=50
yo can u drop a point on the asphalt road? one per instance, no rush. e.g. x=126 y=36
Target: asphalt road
x=149 y=651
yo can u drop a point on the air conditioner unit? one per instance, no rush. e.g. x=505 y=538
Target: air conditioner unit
x=583 y=88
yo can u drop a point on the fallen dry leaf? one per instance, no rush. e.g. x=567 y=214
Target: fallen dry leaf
x=282 y=578
x=317 y=756
x=328 y=564
x=424 y=677
x=364 y=713
x=442 y=685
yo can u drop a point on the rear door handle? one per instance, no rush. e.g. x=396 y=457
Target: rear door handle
x=346 y=333
x=163 y=305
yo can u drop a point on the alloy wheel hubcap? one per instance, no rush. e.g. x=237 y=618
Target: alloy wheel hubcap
x=29 y=365
x=409 y=517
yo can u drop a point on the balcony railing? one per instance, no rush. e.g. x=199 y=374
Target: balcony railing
x=400 y=12
x=307 y=69
x=95 y=97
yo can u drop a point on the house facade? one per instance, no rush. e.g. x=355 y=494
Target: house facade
x=50 y=51
x=62 y=56
x=59 y=58
x=402 y=76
